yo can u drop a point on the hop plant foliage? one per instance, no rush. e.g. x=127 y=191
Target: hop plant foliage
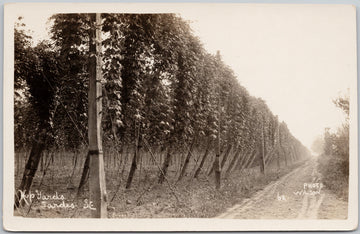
x=156 y=76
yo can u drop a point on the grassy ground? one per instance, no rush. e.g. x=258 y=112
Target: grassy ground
x=335 y=174
x=188 y=198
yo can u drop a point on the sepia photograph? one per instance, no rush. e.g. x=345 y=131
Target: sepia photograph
x=180 y=117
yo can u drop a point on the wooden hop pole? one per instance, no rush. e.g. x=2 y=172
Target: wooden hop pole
x=262 y=155
x=278 y=145
x=97 y=186
x=216 y=165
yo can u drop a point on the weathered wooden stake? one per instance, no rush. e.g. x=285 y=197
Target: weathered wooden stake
x=202 y=161
x=262 y=155
x=135 y=157
x=278 y=145
x=216 y=165
x=97 y=186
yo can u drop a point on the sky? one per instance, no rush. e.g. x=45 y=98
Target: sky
x=298 y=58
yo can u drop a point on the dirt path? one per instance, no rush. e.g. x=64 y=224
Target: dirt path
x=297 y=195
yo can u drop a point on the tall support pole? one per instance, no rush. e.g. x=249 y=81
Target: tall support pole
x=262 y=155
x=278 y=145
x=217 y=168
x=97 y=186
x=216 y=165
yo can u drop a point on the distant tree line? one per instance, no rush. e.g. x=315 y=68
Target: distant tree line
x=334 y=160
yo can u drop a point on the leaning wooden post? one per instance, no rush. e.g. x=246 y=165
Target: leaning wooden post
x=262 y=155
x=216 y=165
x=97 y=186
x=278 y=145
x=217 y=168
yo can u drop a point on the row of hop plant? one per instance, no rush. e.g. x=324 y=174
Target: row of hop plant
x=161 y=89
